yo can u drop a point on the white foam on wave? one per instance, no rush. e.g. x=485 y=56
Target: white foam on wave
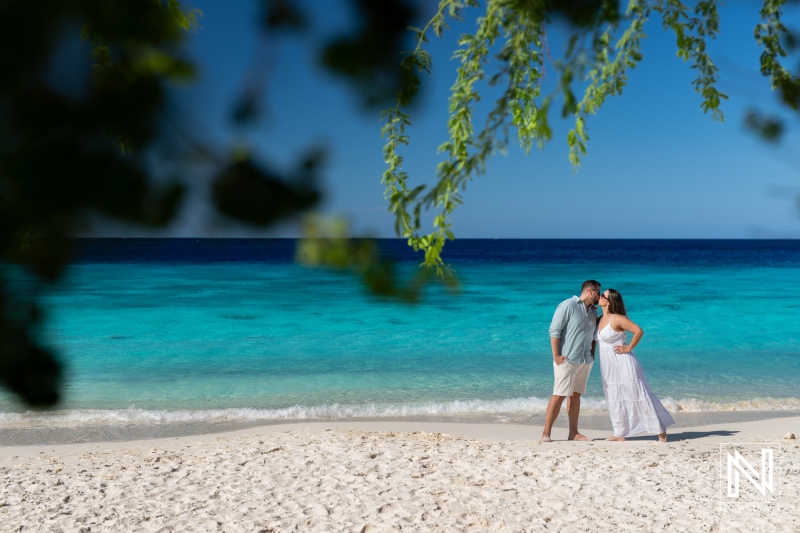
x=296 y=412
x=132 y=415
x=694 y=405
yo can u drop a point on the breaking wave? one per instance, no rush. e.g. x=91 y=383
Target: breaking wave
x=133 y=415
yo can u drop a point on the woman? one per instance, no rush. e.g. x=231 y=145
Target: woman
x=632 y=406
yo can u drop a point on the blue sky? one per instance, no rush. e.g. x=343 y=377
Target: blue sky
x=657 y=166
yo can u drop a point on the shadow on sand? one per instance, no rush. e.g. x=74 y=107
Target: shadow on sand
x=682 y=435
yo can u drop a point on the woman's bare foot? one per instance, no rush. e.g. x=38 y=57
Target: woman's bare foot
x=545 y=438
x=616 y=439
x=577 y=436
x=662 y=437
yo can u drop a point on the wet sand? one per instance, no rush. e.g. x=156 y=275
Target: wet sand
x=28 y=435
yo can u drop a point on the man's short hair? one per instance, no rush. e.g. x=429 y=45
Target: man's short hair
x=590 y=284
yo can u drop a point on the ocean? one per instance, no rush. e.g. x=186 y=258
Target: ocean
x=178 y=333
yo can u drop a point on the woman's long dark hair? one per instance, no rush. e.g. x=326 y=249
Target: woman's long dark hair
x=615 y=303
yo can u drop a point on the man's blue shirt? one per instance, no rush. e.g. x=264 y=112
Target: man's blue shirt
x=574 y=325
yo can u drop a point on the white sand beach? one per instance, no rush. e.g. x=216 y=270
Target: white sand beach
x=398 y=476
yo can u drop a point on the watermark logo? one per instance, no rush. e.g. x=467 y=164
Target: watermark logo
x=749 y=473
x=737 y=465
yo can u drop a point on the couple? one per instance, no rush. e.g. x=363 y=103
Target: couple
x=574 y=333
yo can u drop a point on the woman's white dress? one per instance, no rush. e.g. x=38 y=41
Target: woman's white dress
x=632 y=406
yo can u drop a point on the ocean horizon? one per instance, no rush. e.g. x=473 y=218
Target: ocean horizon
x=193 y=331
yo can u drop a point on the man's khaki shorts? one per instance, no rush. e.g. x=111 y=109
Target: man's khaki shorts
x=570 y=378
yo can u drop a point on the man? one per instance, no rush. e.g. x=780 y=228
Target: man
x=572 y=343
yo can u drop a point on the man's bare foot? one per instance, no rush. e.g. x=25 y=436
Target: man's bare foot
x=662 y=437
x=616 y=439
x=545 y=438
x=577 y=436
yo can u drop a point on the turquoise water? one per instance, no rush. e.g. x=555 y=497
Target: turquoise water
x=171 y=340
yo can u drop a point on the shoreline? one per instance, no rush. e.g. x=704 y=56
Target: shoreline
x=761 y=429
x=12 y=435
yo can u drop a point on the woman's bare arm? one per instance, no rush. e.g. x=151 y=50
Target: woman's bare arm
x=628 y=325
